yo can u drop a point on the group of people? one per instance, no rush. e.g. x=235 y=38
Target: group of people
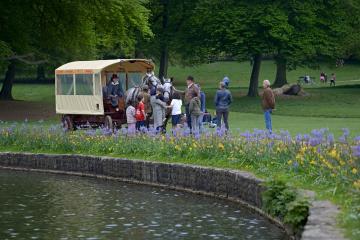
x=150 y=103
x=324 y=78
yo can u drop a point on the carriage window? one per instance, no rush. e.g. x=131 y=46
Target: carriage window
x=97 y=84
x=65 y=84
x=135 y=79
x=84 y=84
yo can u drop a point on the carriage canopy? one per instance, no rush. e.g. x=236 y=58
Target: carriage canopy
x=78 y=85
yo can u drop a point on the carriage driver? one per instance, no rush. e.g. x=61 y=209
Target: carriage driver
x=115 y=91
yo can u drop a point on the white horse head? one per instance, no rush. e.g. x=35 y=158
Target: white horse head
x=167 y=86
x=151 y=80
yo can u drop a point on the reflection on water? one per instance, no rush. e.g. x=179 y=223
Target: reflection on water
x=45 y=206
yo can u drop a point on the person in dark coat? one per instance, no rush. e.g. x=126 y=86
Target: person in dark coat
x=223 y=99
x=115 y=91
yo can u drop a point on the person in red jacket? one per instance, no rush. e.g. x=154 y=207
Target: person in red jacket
x=140 y=113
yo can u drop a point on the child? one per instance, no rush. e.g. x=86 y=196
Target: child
x=130 y=117
x=333 y=79
x=176 y=104
x=140 y=113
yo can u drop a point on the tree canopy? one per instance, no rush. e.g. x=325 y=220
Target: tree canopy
x=39 y=31
x=293 y=33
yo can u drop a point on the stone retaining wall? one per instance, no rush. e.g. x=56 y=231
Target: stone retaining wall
x=235 y=185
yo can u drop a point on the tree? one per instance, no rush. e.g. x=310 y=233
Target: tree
x=315 y=28
x=236 y=28
x=167 y=20
x=60 y=31
x=295 y=33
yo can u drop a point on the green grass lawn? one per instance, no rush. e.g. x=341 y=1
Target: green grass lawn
x=34 y=92
x=334 y=108
x=239 y=73
x=294 y=124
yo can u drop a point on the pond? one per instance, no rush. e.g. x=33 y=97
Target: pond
x=46 y=206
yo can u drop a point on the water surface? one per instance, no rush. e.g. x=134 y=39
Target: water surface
x=46 y=206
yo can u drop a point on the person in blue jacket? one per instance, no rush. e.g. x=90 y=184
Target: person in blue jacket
x=223 y=99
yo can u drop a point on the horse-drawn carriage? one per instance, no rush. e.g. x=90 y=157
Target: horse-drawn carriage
x=79 y=91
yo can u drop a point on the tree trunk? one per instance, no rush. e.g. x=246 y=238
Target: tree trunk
x=139 y=53
x=40 y=77
x=254 y=79
x=164 y=59
x=164 y=55
x=280 y=79
x=5 y=93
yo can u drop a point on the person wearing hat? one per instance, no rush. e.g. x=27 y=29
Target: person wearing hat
x=159 y=108
x=115 y=91
x=147 y=105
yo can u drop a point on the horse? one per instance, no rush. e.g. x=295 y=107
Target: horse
x=153 y=82
x=149 y=79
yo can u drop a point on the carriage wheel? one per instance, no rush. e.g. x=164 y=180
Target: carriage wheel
x=108 y=123
x=67 y=123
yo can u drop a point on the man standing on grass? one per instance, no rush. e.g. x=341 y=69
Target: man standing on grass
x=268 y=104
x=223 y=99
x=191 y=91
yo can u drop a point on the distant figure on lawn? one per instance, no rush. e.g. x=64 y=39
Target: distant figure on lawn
x=333 y=79
x=268 y=104
x=226 y=80
x=322 y=77
x=223 y=99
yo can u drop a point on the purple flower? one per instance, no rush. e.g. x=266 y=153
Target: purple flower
x=357 y=139
x=90 y=132
x=314 y=142
x=306 y=137
x=271 y=144
x=298 y=138
x=186 y=132
x=342 y=139
x=246 y=134
x=356 y=151
x=318 y=150
x=330 y=139
x=346 y=132
x=295 y=165
x=317 y=133
x=197 y=136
